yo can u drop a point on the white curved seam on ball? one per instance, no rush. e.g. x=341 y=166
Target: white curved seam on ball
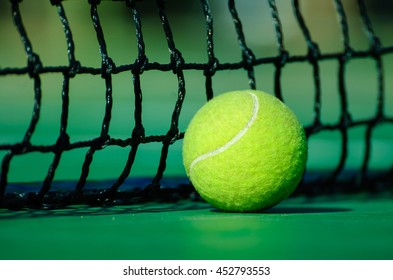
x=235 y=139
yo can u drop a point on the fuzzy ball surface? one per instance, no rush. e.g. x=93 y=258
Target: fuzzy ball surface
x=244 y=151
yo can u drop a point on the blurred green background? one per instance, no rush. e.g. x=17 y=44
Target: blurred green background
x=87 y=92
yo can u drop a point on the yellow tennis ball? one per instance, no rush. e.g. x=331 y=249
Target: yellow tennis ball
x=244 y=151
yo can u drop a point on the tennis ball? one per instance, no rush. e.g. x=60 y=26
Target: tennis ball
x=244 y=151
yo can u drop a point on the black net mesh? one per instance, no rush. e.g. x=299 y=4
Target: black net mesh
x=50 y=193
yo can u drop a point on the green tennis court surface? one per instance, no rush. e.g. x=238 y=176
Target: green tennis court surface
x=329 y=227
